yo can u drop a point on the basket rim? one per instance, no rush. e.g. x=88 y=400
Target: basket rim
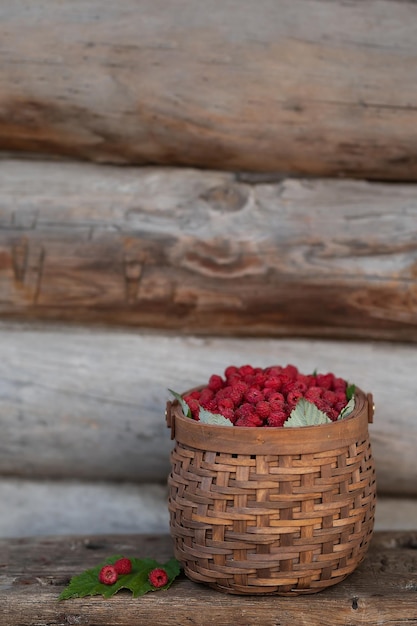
x=273 y=440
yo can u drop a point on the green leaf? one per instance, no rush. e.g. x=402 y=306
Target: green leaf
x=350 y=391
x=306 y=413
x=347 y=410
x=213 y=418
x=87 y=583
x=185 y=408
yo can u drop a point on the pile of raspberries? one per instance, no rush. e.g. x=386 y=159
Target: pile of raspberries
x=252 y=396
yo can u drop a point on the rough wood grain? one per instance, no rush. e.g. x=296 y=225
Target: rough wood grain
x=34 y=571
x=313 y=87
x=204 y=252
x=80 y=403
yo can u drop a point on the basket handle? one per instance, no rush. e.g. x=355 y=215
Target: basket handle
x=371 y=408
x=170 y=418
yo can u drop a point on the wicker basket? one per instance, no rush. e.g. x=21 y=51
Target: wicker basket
x=283 y=511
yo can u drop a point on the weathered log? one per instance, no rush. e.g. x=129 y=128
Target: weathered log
x=89 y=404
x=380 y=592
x=204 y=252
x=312 y=87
x=63 y=507
x=59 y=507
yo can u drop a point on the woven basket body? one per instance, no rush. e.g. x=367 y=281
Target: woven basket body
x=281 y=511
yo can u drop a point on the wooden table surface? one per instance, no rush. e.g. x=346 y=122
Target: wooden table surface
x=33 y=572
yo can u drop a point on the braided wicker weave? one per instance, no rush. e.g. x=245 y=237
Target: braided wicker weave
x=281 y=511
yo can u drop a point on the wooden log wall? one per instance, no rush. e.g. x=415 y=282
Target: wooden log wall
x=272 y=219
x=207 y=252
x=307 y=86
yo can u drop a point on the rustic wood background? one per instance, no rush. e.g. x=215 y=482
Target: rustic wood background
x=305 y=86
x=253 y=199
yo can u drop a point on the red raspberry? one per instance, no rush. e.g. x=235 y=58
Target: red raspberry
x=339 y=384
x=339 y=406
x=300 y=386
x=108 y=575
x=291 y=371
x=158 y=577
x=277 y=405
x=333 y=414
x=246 y=370
x=274 y=370
x=210 y=405
x=251 y=421
x=225 y=403
x=330 y=397
x=293 y=397
x=289 y=386
x=238 y=391
x=313 y=394
x=259 y=379
x=263 y=409
x=254 y=395
x=222 y=393
x=275 y=396
x=341 y=396
x=123 y=566
x=273 y=382
x=229 y=414
x=276 y=419
x=308 y=381
x=231 y=371
x=245 y=410
x=206 y=395
x=215 y=382
x=325 y=381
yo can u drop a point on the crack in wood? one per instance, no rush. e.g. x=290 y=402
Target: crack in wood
x=20 y=253
x=40 y=269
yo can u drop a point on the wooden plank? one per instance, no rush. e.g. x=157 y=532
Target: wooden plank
x=84 y=403
x=70 y=507
x=204 y=252
x=34 y=571
x=312 y=87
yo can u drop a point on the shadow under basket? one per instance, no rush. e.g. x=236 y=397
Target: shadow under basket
x=283 y=511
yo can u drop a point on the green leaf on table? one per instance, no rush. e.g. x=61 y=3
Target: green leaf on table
x=185 y=408
x=306 y=413
x=87 y=583
x=206 y=417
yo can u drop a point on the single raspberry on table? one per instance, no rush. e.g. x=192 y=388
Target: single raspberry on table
x=108 y=575
x=158 y=577
x=123 y=566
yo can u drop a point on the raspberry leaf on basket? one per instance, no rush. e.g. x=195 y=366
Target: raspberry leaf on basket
x=348 y=408
x=306 y=414
x=213 y=418
x=139 y=580
x=185 y=408
x=350 y=391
